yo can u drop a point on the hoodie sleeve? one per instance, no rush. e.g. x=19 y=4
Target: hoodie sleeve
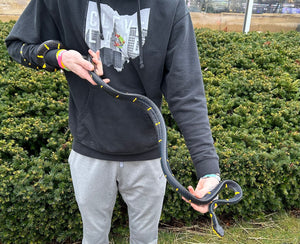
x=34 y=26
x=184 y=91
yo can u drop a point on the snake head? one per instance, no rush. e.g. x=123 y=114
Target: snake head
x=218 y=230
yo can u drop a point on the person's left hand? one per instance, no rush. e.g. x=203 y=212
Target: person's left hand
x=204 y=186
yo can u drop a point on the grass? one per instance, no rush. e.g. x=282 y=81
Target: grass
x=275 y=228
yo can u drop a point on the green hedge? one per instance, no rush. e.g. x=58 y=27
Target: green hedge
x=252 y=86
x=253 y=90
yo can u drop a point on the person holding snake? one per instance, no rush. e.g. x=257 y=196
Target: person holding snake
x=144 y=47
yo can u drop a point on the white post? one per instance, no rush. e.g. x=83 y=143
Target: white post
x=248 y=14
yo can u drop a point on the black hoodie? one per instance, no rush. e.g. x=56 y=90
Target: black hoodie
x=168 y=63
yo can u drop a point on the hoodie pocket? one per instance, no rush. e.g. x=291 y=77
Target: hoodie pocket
x=112 y=126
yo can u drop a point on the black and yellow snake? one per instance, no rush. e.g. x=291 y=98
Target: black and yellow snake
x=154 y=112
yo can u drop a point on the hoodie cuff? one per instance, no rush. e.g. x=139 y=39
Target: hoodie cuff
x=50 y=58
x=206 y=167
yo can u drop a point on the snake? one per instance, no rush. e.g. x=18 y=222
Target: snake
x=157 y=119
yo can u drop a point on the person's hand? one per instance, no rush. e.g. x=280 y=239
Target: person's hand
x=81 y=67
x=204 y=186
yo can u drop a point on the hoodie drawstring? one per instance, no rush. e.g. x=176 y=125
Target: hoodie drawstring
x=139 y=30
x=140 y=35
x=100 y=22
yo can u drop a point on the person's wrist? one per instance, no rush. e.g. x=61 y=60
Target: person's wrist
x=217 y=176
x=59 y=56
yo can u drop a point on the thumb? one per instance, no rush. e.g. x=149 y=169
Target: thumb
x=193 y=192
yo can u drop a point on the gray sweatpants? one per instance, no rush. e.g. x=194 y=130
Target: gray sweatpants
x=96 y=184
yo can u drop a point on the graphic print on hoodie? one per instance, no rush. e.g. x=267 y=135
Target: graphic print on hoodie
x=121 y=36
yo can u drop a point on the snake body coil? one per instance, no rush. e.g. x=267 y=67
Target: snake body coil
x=153 y=111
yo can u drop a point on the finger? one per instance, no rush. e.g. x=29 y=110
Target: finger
x=191 y=190
x=83 y=73
x=86 y=65
x=99 y=67
x=99 y=70
x=98 y=54
x=96 y=61
x=95 y=56
x=106 y=80
x=195 y=193
x=200 y=208
x=186 y=200
x=92 y=53
x=90 y=79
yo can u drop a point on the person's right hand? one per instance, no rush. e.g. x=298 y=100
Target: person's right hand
x=204 y=186
x=81 y=67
